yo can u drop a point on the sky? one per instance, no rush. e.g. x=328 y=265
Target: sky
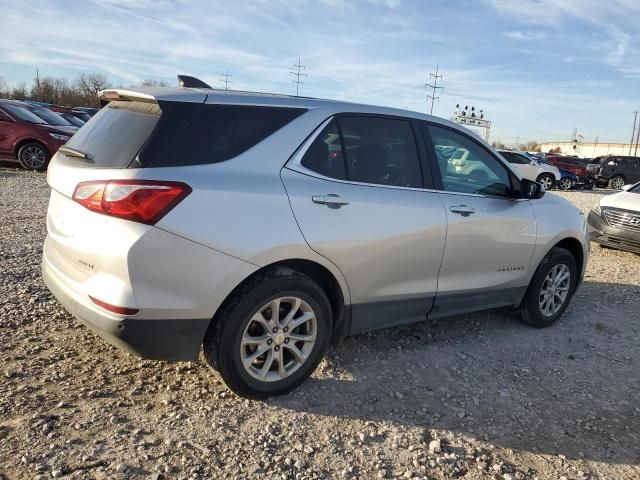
x=538 y=68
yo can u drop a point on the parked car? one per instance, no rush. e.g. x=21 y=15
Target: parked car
x=568 y=180
x=26 y=137
x=68 y=112
x=50 y=117
x=244 y=236
x=616 y=171
x=88 y=110
x=615 y=220
x=586 y=176
x=527 y=167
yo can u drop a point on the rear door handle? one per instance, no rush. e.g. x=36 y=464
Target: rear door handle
x=463 y=210
x=331 y=200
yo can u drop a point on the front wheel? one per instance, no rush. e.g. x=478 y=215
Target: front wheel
x=617 y=182
x=565 y=183
x=546 y=180
x=551 y=289
x=33 y=156
x=270 y=335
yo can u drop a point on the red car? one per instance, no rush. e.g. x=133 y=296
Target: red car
x=574 y=165
x=28 y=138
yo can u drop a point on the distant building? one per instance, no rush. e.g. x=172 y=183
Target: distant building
x=589 y=150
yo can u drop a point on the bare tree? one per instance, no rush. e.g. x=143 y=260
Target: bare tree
x=89 y=84
x=20 y=92
x=150 y=82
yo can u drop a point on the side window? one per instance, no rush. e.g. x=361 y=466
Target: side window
x=514 y=158
x=466 y=166
x=382 y=151
x=324 y=156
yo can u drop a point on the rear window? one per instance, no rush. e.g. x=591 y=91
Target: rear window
x=113 y=137
x=172 y=134
x=191 y=134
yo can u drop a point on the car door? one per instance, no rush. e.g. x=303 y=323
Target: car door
x=365 y=209
x=522 y=165
x=491 y=234
x=6 y=133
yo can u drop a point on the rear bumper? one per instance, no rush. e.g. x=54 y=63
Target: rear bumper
x=151 y=339
x=603 y=233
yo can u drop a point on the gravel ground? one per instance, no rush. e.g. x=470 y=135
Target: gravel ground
x=475 y=396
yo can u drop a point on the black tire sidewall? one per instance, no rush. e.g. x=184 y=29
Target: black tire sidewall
x=47 y=157
x=531 y=306
x=546 y=175
x=565 y=181
x=228 y=361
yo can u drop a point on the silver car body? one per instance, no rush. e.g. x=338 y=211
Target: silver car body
x=397 y=254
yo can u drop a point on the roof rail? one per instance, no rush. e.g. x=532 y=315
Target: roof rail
x=187 y=81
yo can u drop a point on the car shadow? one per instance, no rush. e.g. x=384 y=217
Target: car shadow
x=573 y=389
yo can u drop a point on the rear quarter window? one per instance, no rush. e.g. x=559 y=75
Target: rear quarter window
x=212 y=133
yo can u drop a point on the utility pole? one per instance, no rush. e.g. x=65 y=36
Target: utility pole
x=434 y=88
x=38 y=82
x=225 y=79
x=633 y=132
x=635 y=152
x=298 y=74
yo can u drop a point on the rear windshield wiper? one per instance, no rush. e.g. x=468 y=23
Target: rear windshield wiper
x=72 y=152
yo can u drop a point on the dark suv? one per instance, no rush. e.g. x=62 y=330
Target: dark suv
x=28 y=138
x=618 y=171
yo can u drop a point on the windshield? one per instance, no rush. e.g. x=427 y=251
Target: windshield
x=50 y=117
x=72 y=120
x=22 y=114
x=635 y=188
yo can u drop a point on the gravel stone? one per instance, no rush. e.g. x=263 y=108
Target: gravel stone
x=504 y=399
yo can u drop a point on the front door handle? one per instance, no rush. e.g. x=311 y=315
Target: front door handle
x=331 y=200
x=463 y=210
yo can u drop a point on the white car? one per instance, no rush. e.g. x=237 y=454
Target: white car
x=531 y=169
x=615 y=220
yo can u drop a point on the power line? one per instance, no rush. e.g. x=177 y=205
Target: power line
x=298 y=75
x=434 y=88
x=225 y=79
x=633 y=132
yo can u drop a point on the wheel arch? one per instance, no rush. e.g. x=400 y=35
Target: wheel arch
x=23 y=141
x=338 y=298
x=574 y=247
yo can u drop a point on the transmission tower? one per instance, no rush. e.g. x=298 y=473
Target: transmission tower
x=225 y=79
x=298 y=74
x=434 y=88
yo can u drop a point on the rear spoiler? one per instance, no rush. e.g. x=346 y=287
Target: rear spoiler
x=152 y=95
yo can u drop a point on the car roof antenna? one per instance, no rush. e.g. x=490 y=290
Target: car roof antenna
x=187 y=81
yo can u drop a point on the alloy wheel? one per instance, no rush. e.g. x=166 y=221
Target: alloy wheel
x=278 y=339
x=546 y=182
x=33 y=157
x=565 y=184
x=555 y=289
x=617 y=183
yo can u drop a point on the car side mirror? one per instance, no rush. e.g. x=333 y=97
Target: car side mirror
x=530 y=189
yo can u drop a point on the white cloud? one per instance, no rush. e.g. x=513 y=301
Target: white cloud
x=525 y=35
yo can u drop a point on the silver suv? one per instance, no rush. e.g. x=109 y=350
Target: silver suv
x=265 y=227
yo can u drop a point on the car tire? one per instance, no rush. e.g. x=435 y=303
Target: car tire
x=242 y=327
x=535 y=309
x=546 y=180
x=33 y=156
x=616 y=182
x=565 y=183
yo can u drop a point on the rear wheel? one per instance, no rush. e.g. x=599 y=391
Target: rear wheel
x=565 y=183
x=33 y=156
x=617 y=182
x=551 y=289
x=546 y=180
x=270 y=336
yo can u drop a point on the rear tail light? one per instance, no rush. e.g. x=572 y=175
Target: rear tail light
x=144 y=201
x=114 y=308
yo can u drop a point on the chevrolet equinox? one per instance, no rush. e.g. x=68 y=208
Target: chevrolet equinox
x=265 y=227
